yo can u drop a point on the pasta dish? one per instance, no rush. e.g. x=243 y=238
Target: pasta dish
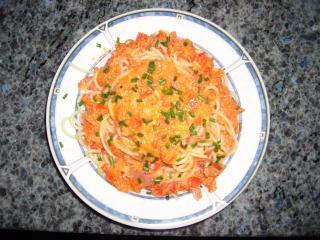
x=158 y=116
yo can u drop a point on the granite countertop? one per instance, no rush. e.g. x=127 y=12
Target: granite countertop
x=281 y=36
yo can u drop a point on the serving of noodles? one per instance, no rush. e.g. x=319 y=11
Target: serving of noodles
x=158 y=116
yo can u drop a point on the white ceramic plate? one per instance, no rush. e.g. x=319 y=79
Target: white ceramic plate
x=142 y=210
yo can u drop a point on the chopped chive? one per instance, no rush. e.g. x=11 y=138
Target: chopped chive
x=65 y=96
x=140 y=134
x=111 y=161
x=104 y=95
x=181 y=114
x=149 y=193
x=116 y=98
x=80 y=103
x=184 y=146
x=212 y=120
x=144 y=76
x=145 y=121
x=191 y=114
x=108 y=85
x=103 y=102
x=185 y=43
x=195 y=71
x=200 y=97
x=157 y=43
x=134 y=80
x=178 y=104
x=123 y=123
x=100 y=159
x=98 y=45
x=172 y=114
x=167 y=91
x=106 y=69
x=179 y=159
x=200 y=79
x=207 y=79
x=204 y=122
x=167 y=121
x=162 y=82
x=165 y=114
x=167 y=145
x=97 y=134
x=219 y=158
x=138 y=144
x=100 y=118
x=110 y=140
x=207 y=135
x=217 y=145
x=146 y=166
x=149 y=154
x=149 y=80
x=192 y=130
x=118 y=40
x=133 y=89
x=175 y=139
x=94 y=99
x=129 y=113
x=155 y=159
x=139 y=180
x=165 y=43
x=194 y=145
x=61 y=145
x=158 y=180
x=139 y=100
x=207 y=100
x=210 y=163
x=151 y=67
x=135 y=149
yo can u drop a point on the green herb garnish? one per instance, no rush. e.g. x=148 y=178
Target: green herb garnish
x=192 y=130
x=65 y=96
x=191 y=114
x=212 y=120
x=158 y=180
x=162 y=82
x=123 y=123
x=80 y=103
x=145 y=121
x=116 y=98
x=134 y=80
x=111 y=161
x=146 y=166
x=100 y=118
x=106 y=70
x=151 y=67
x=167 y=91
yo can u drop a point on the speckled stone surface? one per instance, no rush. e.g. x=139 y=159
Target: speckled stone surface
x=281 y=36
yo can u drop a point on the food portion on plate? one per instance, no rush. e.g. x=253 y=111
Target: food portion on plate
x=158 y=116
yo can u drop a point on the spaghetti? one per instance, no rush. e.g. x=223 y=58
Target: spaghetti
x=157 y=116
